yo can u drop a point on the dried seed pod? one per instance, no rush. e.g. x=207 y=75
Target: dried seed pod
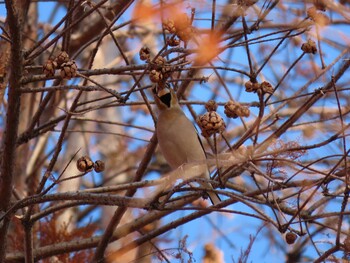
x=266 y=87
x=160 y=64
x=49 y=68
x=145 y=53
x=173 y=42
x=290 y=238
x=99 y=166
x=211 y=105
x=155 y=76
x=251 y=87
x=234 y=110
x=62 y=57
x=160 y=61
x=210 y=123
x=69 y=70
x=84 y=164
x=244 y=111
x=309 y=47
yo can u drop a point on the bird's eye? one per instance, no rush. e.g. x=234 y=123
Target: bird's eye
x=166 y=99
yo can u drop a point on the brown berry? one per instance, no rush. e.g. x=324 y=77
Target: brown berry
x=290 y=238
x=99 y=166
x=84 y=164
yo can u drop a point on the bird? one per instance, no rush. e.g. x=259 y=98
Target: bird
x=178 y=139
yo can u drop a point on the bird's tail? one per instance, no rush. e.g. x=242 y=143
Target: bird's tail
x=214 y=198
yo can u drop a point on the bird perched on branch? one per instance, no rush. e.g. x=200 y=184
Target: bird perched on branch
x=177 y=137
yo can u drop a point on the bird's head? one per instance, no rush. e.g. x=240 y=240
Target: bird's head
x=165 y=98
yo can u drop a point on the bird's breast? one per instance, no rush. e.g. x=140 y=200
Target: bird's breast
x=178 y=139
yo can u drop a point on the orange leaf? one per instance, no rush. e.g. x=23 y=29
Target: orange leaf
x=143 y=11
x=208 y=49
